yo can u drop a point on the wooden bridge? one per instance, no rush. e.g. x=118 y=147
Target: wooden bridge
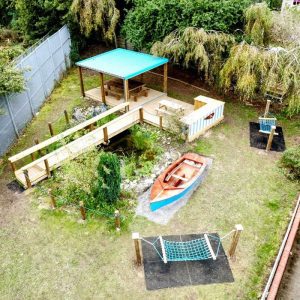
x=41 y=168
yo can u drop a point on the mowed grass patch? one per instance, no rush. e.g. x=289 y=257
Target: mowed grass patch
x=48 y=254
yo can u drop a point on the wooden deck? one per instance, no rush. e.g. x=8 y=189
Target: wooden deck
x=149 y=103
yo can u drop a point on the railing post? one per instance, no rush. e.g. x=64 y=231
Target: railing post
x=117 y=220
x=28 y=182
x=141 y=112
x=160 y=122
x=36 y=141
x=67 y=117
x=52 y=200
x=236 y=236
x=105 y=134
x=50 y=129
x=47 y=168
x=13 y=166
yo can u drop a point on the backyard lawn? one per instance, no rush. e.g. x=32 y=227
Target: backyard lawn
x=48 y=254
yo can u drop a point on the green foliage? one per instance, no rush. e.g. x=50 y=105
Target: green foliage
x=196 y=48
x=291 y=161
x=150 y=21
x=108 y=184
x=6 y=12
x=11 y=78
x=94 y=16
x=142 y=138
x=259 y=23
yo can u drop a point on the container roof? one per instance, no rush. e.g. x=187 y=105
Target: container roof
x=122 y=63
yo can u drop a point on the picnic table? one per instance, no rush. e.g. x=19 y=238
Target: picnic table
x=169 y=107
x=115 y=87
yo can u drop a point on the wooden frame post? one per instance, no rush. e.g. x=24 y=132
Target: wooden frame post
x=165 y=88
x=28 y=182
x=161 y=122
x=66 y=117
x=270 y=139
x=126 y=93
x=141 y=112
x=117 y=220
x=267 y=108
x=105 y=134
x=82 y=210
x=50 y=128
x=47 y=168
x=13 y=166
x=52 y=200
x=236 y=236
x=102 y=88
x=81 y=82
x=36 y=141
x=136 y=239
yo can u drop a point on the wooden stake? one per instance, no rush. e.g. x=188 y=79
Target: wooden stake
x=141 y=115
x=267 y=108
x=67 y=117
x=238 y=229
x=81 y=82
x=105 y=134
x=52 y=200
x=47 y=168
x=117 y=220
x=270 y=139
x=36 y=141
x=136 y=239
x=165 y=78
x=161 y=122
x=51 y=129
x=102 y=88
x=28 y=182
x=82 y=210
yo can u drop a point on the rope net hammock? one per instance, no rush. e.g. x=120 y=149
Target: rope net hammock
x=197 y=249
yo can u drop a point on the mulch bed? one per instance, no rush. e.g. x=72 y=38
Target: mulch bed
x=159 y=275
x=259 y=140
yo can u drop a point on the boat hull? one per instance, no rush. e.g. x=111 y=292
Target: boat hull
x=175 y=193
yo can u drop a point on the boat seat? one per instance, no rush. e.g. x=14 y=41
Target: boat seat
x=179 y=177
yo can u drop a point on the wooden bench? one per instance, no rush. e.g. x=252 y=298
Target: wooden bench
x=138 y=93
x=163 y=111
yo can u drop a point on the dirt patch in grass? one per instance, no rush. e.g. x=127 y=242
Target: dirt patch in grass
x=48 y=254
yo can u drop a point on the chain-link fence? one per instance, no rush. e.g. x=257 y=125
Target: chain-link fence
x=44 y=64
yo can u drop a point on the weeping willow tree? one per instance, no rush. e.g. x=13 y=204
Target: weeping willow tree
x=251 y=71
x=193 y=47
x=96 y=15
x=259 y=21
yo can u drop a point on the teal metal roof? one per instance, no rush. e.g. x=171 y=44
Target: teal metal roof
x=122 y=63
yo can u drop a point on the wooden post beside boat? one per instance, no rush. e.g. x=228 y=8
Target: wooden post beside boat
x=136 y=239
x=117 y=220
x=235 y=239
x=82 y=210
x=270 y=139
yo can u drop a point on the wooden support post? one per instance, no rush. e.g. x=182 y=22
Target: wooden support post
x=47 y=168
x=165 y=78
x=270 y=139
x=126 y=93
x=160 y=122
x=267 y=108
x=28 y=182
x=142 y=77
x=13 y=166
x=36 y=141
x=32 y=156
x=102 y=88
x=141 y=112
x=105 y=134
x=52 y=200
x=91 y=127
x=117 y=220
x=136 y=239
x=67 y=117
x=51 y=129
x=81 y=82
x=82 y=210
x=236 y=236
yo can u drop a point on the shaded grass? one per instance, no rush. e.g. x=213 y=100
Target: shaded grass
x=48 y=254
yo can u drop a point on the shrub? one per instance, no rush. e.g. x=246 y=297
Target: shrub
x=291 y=161
x=108 y=185
x=142 y=138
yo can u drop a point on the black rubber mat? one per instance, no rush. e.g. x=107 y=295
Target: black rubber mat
x=159 y=275
x=259 y=140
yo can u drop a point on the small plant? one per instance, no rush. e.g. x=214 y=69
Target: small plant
x=108 y=186
x=291 y=161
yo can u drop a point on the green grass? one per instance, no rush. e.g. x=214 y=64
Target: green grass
x=49 y=255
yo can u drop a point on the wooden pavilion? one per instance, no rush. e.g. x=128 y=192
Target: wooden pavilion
x=124 y=65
